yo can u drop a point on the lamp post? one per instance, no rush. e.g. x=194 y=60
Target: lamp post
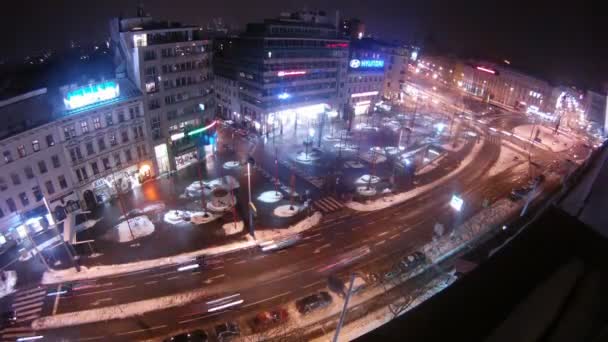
x=250 y=204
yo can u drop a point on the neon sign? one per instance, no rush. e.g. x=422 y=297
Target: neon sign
x=91 y=94
x=291 y=73
x=366 y=63
x=336 y=45
x=202 y=129
x=490 y=71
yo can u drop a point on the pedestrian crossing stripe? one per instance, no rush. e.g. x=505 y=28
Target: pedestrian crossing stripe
x=328 y=204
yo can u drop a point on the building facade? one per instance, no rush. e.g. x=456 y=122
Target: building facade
x=286 y=70
x=171 y=65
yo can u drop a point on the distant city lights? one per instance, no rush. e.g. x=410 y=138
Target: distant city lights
x=291 y=73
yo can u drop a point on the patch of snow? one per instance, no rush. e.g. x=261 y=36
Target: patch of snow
x=8 y=285
x=373 y=157
x=232 y=228
x=449 y=146
x=154 y=207
x=365 y=191
x=134 y=228
x=270 y=196
x=52 y=277
x=286 y=210
x=507 y=159
x=550 y=141
x=387 y=201
x=304 y=157
x=344 y=146
x=354 y=164
x=392 y=150
x=305 y=224
x=430 y=166
x=233 y=164
x=365 y=179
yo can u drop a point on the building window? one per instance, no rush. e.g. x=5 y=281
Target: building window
x=25 y=201
x=101 y=144
x=96 y=122
x=155 y=125
x=135 y=132
x=36 y=145
x=3 y=185
x=141 y=131
x=11 y=205
x=90 y=149
x=50 y=141
x=62 y=182
x=128 y=156
x=69 y=132
x=125 y=136
x=106 y=163
x=15 y=178
x=84 y=173
x=29 y=173
x=21 y=151
x=121 y=116
x=7 y=156
x=109 y=121
x=1 y=213
x=153 y=104
x=75 y=154
x=42 y=166
x=95 y=168
x=55 y=161
x=84 y=126
x=134 y=112
x=117 y=160
x=113 y=141
x=143 y=150
x=50 y=189
x=37 y=193
x=78 y=175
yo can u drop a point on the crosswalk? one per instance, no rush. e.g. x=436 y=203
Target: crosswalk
x=328 y=204
x=28 y=305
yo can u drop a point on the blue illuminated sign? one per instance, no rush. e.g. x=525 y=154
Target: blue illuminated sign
x=366 y=63
x=91 y=94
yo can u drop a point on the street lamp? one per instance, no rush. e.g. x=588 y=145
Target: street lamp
x=250 y=205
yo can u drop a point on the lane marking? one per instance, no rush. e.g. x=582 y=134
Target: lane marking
x=217 y=276
x=29 y=312
x=151 y=282
x=28 y=318
x=28 y=296
x=218 y=267
x=267 y=299
x=20 y=335
x=379 y=243
x=313 y=284
x=406 y=230
x=141 y=330
x=56 y=303
x=382 y=234
x=28 y=291
x=92 y=338
x=104 y=291
x=197 y=318
x=28 y=302
x=31 y=306
x=240 y=262
x=393 y=236
x=318 y=250
x=176 y=277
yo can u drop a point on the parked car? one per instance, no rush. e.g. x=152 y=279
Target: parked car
x=517 y=194
x=391 y=274
x=9 y=318
x=191 y=336
x=227 y=331
x=313 y=302
x=268 y=319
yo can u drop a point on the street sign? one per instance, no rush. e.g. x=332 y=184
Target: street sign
x=456 y=203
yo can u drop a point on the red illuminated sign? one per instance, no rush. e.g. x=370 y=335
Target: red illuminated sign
x=337 y=45
x=291 y=73
x=490 y=71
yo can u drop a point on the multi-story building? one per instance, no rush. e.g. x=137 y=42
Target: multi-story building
x=365 y=78
x=102 y=131
x=504 y=86
x=397 y=60
x=352 y=28
x=596 y=111
x=171 y=64
x=286 y=70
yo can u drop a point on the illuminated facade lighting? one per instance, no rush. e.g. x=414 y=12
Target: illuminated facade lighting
x=336 y=45
x=366 y=63
x=291 y=73
x=202 y=129
x=369 y=93
x=91 y=94
x=177 y=136
x=489 y=71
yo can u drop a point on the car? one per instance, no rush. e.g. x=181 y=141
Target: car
x=191 y=336
x=9 y=318
x=391 y=274
x=267 y=319
x=227 y=331
x=313 y=302
x=408 y=263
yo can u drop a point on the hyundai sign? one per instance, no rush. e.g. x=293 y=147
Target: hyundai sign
x=91 y=94
x=366 y=63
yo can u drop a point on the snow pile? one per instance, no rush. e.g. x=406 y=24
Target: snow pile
x=227 y=182
x=304 y=157
x=365 y=191
x=345 y=147
x=305 y=224
x=270 y=196
x=365 y=179
x=134 y=228
x=354 y=164
x=183 y=217
x=51 y=277
x=286 y=210
x=232 y=228
x=233 y=164
x=8 y=285
x=391 y=200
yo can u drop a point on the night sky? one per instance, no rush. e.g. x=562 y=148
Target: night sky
x=557 y=42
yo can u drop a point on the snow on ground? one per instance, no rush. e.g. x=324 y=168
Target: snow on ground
x=134 y=228
x=507 y=159
x=428 y=167
x=40 y=247
x=232 y=228
x=51 y=277
x=391 y=200
x=449 y=146
x=233 y=164
x=304 y=157
x=354 y=164
x=8 y=285
x=365 y=191
x=372 y=157
x=286 y=210
x=365 y=179
x=305 y=224
x=270 y=196
x=556 y=143
x=199 y=217
x=392 y=150
x=344 y=146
